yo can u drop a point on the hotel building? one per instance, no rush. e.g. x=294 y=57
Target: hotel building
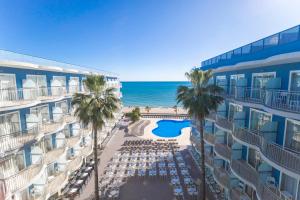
x=252 y=142
x=41 y=142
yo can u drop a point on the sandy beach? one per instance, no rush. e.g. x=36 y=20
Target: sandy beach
x=156 y=110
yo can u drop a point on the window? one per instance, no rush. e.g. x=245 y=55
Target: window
x=294 y=81
x=258 y=119
x=63 y=105
x=233 y=82
x=42 y=112
x=10 y=123
x=222 y=82
x=234 y=108
x=259 y=83
x=39 y=82
x=8 y=88
x=73 y=84
x=292 y=135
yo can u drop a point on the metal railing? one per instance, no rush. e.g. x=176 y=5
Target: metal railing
x=53 y=155
x=223 y=150
x=27 y=95
x=209 y=160
x=74 y=164
x=222 y=177
x=210 y=138
x=272 y=151
x=22 y=178
x=56 y=184
x=71 y=141
x=249 y=174
x=277 y=99
x=16 y=140
x=224 y=122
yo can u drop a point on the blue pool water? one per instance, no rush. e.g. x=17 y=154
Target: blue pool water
x=170 y=128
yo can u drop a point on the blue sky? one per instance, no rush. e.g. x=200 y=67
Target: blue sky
x=139 y=39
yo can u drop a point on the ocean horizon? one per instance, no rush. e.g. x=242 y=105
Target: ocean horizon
x=150 y=93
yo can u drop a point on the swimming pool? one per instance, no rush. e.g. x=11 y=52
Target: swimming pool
x=170 y=128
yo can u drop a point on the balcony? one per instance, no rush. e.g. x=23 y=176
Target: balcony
x=222 y=177
x=23 y=178
x=74 y=164
x=224 y=123
x=237 y=194
x=50 y=126
x=276 y=99
x=69 y=118
x=209 y=160
x=56 y=183
x=223 y=150
x=209 y=138
x=273 y=152
x=86 y=151
x=249 y=174
x=53 y=155
x=23 y=96
x=211 y=116
x=72 y=141
x=16 y=140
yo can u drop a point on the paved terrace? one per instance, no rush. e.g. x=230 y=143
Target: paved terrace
x=135 y=189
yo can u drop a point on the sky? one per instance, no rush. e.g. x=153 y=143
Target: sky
x=141 y=40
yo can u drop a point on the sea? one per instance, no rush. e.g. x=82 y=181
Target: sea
x=152 y=94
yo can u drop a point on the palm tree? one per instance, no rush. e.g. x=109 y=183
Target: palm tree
x=175 y=109
x=199 y=100
x=147 y=108
x=95 y=109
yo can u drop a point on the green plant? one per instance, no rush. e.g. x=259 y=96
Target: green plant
x=147 y=108
x=134 y=115
x=199 y=100
x=95 y=109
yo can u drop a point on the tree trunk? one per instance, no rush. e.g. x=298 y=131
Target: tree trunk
x=202 y=159
x=96 y=165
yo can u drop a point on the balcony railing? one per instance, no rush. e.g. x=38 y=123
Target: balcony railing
x=72 y=141
x=237 y=194
x=86 y=151
x=276 y=99
x=69 y=118
x=53 y=155
x=223 y=150
x=12 y=96
x=224 y=122
x=74 y=164
x=222 y=177
x=16 y=140
x=22 y=178
x=50 y=126
x=57 y=183
x=209 y=160
x=210 y=138
x=272 y=151
x=242 y=169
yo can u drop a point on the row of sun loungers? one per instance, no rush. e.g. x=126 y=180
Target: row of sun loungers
x=212 y=185
x=78 y=180
x=166 y=164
